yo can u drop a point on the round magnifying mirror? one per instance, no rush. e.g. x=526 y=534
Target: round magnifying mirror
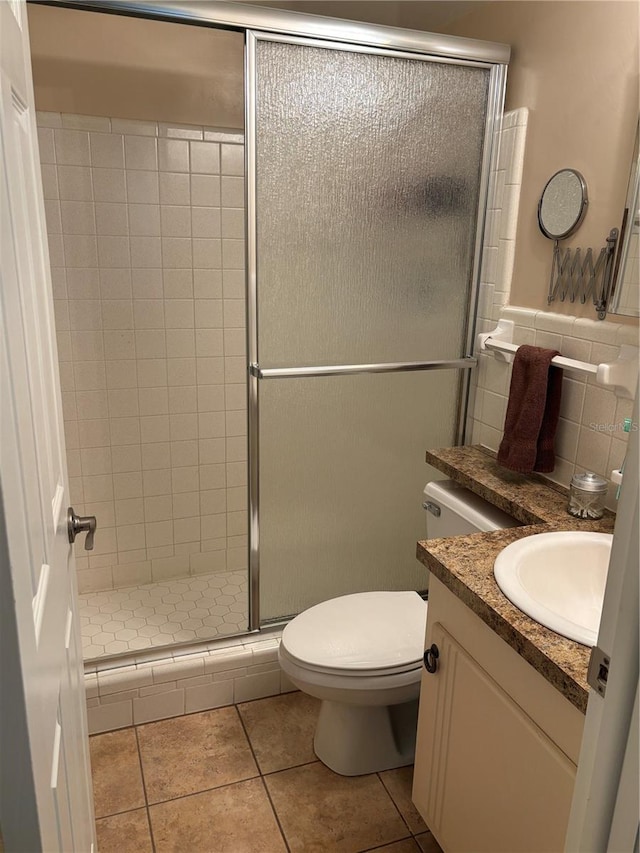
x=563 y=204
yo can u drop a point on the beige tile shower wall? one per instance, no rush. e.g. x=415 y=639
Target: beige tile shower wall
x=502 y=216
x=146 y=231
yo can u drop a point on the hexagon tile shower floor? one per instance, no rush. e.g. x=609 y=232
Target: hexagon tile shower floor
x=162 y=613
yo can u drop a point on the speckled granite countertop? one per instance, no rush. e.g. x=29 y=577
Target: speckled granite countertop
x=464 y=564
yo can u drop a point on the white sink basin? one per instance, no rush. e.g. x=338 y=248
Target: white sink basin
x=558 y=579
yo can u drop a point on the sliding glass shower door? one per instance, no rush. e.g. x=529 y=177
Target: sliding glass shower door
x=367 y=168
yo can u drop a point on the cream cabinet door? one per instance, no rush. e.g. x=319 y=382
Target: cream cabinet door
x=487 y=779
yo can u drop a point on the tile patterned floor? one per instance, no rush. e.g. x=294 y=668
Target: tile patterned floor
x=244 y=779
x=158 y=614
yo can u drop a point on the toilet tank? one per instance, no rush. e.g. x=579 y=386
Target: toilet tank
x=452 y=510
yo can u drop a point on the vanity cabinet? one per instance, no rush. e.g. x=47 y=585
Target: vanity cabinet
x=497 y=745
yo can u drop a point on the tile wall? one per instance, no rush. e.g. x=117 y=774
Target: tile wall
x=146 y=233
x=502 y=217
x=590 y=435
x=220 y=674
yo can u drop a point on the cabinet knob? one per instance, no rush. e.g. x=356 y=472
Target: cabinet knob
x=431 y=658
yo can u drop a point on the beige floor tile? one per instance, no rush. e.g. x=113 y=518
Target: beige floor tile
x=281 y=730
x=185 y=755
x=234 y=819
x=115 y=768
x=398 y=783
x=321 y=811
x=427 y=843
x=408 y=845
x=124 y=833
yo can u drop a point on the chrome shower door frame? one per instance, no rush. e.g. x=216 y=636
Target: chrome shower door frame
x=297 y=27
x=495 y=103
x=241 y=16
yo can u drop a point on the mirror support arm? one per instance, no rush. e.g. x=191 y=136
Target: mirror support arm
x=602 y=302
x=576 y=277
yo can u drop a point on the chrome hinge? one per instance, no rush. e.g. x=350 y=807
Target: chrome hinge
x=598 y=671
x=434 y=509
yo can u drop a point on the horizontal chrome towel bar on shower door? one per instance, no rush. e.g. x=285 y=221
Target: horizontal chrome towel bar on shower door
x=354 y=369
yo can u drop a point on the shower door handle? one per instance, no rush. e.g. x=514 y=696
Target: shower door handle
x=465 y=363
x=81 y=524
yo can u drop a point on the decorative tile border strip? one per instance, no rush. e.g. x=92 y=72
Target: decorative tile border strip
x=133 y=127
x=218 y=675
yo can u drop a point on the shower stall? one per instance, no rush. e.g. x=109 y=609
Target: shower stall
x=262 y=329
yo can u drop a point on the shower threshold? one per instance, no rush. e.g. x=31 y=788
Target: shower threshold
x=178 y=610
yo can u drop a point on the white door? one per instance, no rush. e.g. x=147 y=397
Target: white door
x=45 y=797
x=605 y=813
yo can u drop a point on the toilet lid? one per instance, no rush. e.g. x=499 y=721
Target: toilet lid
x=368 y=630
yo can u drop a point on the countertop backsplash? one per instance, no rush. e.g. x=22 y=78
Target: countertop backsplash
x=590 y=434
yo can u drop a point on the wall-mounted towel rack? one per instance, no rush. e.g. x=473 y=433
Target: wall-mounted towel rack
x=620 y=375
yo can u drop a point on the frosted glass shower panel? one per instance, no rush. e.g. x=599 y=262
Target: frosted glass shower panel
x=342 y=470
x=368 y=173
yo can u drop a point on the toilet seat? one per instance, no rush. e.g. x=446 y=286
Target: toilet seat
x=365 y=635
x=350 y=673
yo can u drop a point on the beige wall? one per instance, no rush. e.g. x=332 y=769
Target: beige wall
x=108 y=65
x=575 y=66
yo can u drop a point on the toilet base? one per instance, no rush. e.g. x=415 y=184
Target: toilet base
x=356 y=739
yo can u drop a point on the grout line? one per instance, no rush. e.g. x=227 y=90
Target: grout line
x=388 y=843
x=246 y=734
x=144 y=789
x=261 y=777
x=275 y=813
x=124 y=811
x=204 y=791
x=151 y=838
x=292 y=767
x=388 y=793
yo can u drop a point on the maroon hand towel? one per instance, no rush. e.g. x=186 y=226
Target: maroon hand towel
x=532 y=412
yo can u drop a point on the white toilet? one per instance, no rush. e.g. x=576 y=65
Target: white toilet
x=362 y=654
